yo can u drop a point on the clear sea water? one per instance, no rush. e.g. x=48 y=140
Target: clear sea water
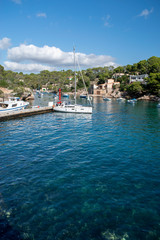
x=82 y=177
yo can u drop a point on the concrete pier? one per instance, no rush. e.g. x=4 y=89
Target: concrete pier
x=24 y=113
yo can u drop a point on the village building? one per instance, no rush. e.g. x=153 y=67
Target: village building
x=70 y=78
x=99 y=89
x=138 y=78
x=109 y=85
x=118 y=75
x=105 y=88
x=44 y=89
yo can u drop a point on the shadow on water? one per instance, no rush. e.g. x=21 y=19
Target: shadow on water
x=7 y=232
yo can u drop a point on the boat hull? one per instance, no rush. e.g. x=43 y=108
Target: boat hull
x=83 y=96
x=12 y=109
x=106 y=99
x=15 y=105
x=73 y=109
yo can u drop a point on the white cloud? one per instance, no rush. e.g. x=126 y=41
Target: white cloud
x=145 y=13
x=17 y=1
x=55 y=57
x=30 y=67
x=43 y=15
x=5 y=43
x=106 y=21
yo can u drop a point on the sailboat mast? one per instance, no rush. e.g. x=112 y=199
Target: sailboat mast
x=74 y=73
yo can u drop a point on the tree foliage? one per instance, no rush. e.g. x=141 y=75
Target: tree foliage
x=124 y=80
x=135 y=89
x=153 y=84
x=154 y=65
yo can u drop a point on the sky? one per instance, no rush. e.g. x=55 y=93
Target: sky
x=38 y=35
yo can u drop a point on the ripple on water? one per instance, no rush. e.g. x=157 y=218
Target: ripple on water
x=67 y=176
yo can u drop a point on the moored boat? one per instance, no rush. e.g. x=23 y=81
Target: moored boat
x=121 y=99
x=132 y=100
x=106 y=99
x=68 y=107
x=13 y=104
x=83 y=96
x=65 y=95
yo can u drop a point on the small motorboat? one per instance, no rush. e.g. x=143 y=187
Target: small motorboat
x=65 y=95
x=132 y=100
x=106 y=99
x=83 y=96
x=121 y=99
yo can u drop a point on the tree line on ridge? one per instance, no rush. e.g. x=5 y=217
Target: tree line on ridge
x=65 y=78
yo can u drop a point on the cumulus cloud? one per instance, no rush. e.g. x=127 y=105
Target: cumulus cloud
x=55 y=57
x=17 y=1
x=145 y=13
x=5 y=43
x=30 y=67
x=43 y=15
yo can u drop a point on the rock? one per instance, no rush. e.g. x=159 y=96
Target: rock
x=149 y=98
x=28 y=96
x=31 y=97
x=145 y=97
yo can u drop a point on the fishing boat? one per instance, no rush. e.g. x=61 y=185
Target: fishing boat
x=13 y=104
x=67 y=106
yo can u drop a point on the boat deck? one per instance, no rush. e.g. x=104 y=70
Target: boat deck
x=24 y=113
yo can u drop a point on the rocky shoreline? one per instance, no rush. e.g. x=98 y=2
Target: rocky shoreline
x=28 y=95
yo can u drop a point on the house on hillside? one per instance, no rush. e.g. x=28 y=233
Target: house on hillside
x=99 y=89
x=70 y=78
x=138 y=78
x=118 y=75
x=109 y=85
x=105 y=88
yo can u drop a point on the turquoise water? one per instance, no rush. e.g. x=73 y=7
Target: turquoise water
x=82 y=177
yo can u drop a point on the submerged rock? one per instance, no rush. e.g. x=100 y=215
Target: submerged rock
x=112 y=236
x=7 y=232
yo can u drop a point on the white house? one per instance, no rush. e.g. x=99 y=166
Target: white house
x=137 y=78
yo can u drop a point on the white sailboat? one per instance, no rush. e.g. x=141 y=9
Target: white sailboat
x=67 y=107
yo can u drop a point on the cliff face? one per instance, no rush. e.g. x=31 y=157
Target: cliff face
x=6 y=90
x=4 y=93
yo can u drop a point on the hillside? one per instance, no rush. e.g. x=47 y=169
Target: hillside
x=52 y=81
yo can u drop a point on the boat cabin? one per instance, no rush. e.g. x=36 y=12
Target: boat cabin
x=14 y=99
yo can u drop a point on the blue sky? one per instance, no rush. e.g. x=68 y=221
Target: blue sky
x=40 y=34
